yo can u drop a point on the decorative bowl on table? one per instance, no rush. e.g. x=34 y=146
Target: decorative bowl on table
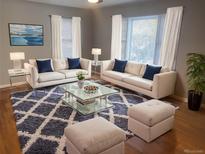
x=91 y=89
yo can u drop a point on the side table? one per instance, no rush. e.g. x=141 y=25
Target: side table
x=95 y=65
x=13 y=73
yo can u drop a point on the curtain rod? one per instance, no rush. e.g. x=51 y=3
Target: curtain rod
x=66 y=16
x=184 y=7
x=61 y=16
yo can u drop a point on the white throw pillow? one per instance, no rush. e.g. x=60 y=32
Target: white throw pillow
x=60 y=64
x=133 y=68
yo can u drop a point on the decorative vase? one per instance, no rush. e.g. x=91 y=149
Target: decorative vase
x=194 y=100
x=80 y=83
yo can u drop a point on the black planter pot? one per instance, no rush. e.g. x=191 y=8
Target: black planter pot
x=194 y=100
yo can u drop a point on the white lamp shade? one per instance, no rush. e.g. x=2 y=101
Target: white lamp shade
x=96 y=51
x=17 y=55
x=93 y=1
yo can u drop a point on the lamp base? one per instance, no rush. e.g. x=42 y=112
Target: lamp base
x=95 y=59
x=17 y=64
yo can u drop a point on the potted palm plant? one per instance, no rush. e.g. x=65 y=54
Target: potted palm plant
x=196 y=79
x=81 y=78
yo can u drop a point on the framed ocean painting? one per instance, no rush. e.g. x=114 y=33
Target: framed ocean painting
x=26 y=34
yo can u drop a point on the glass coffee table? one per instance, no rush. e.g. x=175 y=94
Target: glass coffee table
x=86 y=103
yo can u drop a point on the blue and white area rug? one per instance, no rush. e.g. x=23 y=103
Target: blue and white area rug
x=41 y=117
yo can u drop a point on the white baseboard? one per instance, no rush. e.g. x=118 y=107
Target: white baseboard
x=13 y=84
x=183 y=99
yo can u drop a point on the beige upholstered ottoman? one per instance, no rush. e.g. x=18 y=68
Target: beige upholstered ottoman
x=95 y=136
x=151 y=119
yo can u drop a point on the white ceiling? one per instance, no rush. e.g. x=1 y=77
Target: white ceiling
x=82 y=3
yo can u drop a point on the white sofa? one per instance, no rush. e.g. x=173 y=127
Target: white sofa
x=61 y=73
x=162 y=85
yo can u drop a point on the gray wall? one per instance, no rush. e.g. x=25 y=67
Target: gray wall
x=192 y=32
x=96 y=28
x=20 y=11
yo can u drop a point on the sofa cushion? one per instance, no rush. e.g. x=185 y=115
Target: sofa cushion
x=116 y=75
x=151 y=112
x=139 y=82
x=50 y=76
x=133 y=68
x=60 y=64
x=151 y=71
x=72 y=73
x=119 y=65
x=142 y=70
x=74 y=63
x=94 y=136
x=44 y=66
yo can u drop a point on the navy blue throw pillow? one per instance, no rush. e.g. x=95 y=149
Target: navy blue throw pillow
x=151 y=71
x=120 y=65
x=74 y=63
x=44 y=66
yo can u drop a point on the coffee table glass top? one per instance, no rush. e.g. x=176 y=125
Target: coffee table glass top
x=85 y=103
x=74 y=90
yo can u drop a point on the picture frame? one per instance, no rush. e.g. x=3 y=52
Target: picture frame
x=26 y=34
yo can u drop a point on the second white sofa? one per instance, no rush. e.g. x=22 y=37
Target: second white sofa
x=161 y=86
x=61 y=73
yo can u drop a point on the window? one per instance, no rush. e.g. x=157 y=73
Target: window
x=67 y=37
x=141 y=38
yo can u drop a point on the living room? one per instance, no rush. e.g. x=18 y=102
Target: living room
x=133 y=54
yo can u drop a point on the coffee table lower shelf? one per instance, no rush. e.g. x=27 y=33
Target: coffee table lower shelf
x=96 y=106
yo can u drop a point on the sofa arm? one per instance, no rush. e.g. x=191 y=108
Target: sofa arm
x=86 y=64
x=33 y=77
x=164 y=84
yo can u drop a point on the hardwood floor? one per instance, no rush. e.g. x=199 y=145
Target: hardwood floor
x=188 y=135
x=9 y=143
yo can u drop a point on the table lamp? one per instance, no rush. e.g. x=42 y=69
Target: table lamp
x=16 y=57
x=96 y=52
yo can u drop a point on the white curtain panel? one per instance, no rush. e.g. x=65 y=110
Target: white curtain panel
x=56 y=27
x=76 y=37
x=116 y=42
x=170 y=41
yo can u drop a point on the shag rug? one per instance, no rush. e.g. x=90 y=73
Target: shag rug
x=41 y=117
